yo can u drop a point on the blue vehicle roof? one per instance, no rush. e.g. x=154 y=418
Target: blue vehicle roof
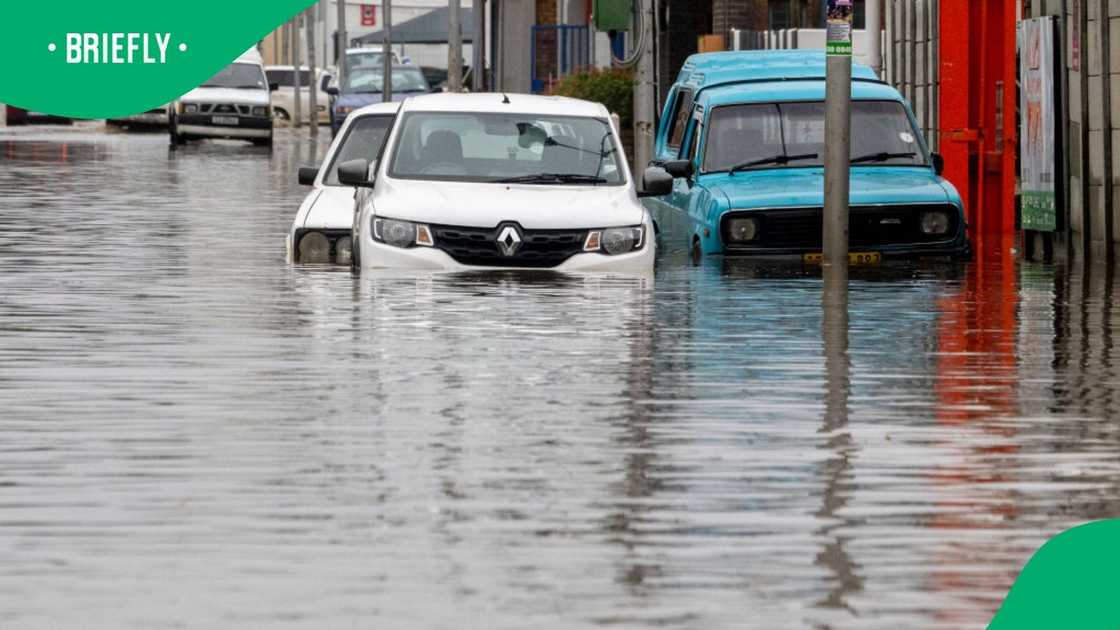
x=738 y=93
x=708 y=70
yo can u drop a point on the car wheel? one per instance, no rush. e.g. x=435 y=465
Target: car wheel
x=696 y=254
x=280 y=116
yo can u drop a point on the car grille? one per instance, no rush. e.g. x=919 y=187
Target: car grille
x=225 y=108
x=869 y=226
x=478 y=247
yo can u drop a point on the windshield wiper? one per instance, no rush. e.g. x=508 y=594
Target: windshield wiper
x=882 y=157
x=775 y=159
x=552 y=178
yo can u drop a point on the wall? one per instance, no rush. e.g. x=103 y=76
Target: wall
x=910 y=58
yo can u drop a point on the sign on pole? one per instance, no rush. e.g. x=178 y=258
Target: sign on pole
x=839 y=32
x=1039 y=144
x=369 y=15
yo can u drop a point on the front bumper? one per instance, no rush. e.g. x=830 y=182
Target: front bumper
x=380 y=256
x=203 y=125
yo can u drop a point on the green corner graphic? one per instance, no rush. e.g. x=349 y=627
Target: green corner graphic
x=200 y=38
x=1071 y=582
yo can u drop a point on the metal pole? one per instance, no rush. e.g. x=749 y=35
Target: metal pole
x=643 y=90
x=297 y=106
x=837 y=133
x=874 y=31
x=340 y=44
x=313 y=83
x=478 y=47
x=454 y=48
x=387 y=57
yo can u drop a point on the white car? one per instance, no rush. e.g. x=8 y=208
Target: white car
x=235 y=103
x=494 y=181
x=284 y=98
x=320 y=233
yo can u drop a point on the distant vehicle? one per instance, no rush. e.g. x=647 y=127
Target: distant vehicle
x=320 y=233
x=153 y=118
x=363 y=86
x=235 y=103
x=743 y=134
x=284 y=98
x=493 y=181
x=20 y=116
x=371 y=57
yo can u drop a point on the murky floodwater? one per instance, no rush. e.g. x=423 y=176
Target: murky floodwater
x=195 y=435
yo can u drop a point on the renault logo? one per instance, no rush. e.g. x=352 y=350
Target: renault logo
x=509 y=240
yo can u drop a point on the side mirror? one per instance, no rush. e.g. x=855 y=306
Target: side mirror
x=355 y=173
x=333 y=90
x=272 y=87
x=307 y=175
x=656 y=182
x=938 y=163
x=679 y=168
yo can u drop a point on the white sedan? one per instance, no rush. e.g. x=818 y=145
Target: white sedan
x=490 y=181
x=320 y=233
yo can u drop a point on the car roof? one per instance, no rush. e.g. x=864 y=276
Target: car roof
x=377 y=108
x=499 y=103
x=375 y=48
x=290 y=67
x=707 y=70
x=771 y=92
x=250 y=56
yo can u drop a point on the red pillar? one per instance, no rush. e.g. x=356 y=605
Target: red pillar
x=977 y=108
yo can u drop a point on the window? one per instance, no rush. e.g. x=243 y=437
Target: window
x=286 y=78
x=490 y=147
x=363 y=142
x=739 y=134
x=682 y=108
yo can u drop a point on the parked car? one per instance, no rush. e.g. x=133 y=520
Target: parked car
x=235 y=103
x=743 y=134
x=364 y=86
x=20 y=116
x=493 y=181
x=151 y=119
x=284 y=98
x=320 y=233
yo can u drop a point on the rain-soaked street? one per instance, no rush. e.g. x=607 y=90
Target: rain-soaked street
x=194 y=434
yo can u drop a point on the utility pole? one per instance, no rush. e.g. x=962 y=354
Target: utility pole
x=875 y=35
x=454 y=48
x=478 y=47
x=297 y=106
x=340 y=43
x=837 y=133
x=312 y=83
x=387 y=57
x=644 y=97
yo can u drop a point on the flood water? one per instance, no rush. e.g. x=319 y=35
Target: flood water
x=195 y=435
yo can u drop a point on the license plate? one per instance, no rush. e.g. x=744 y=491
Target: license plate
x=231 y=121
x=854 y=258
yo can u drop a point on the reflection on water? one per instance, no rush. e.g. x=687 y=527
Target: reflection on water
x=196 y=435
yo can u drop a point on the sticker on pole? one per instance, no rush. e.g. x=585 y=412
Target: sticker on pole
x=839 y=34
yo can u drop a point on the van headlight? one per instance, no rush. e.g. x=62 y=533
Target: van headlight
x=190 y=108
x=615 y=241
x=403 y=234
x=935 y=223
x=260 y=111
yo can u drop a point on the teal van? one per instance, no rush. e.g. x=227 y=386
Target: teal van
x=742 y=136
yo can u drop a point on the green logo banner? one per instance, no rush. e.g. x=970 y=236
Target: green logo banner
x=1070 y=583
x=88 y=59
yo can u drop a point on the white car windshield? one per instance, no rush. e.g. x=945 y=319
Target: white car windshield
x=791 y=135
x=246 y=76
x=492 y=147
x=362 y=142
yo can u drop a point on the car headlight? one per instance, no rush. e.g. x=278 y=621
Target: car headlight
x=260 y=110
x=935 y=223
x=315 y=248
x=190 y=108
x=615 y=241
x=343 y=251
x=343 y=110
x=742 y=230
x=402 y=234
